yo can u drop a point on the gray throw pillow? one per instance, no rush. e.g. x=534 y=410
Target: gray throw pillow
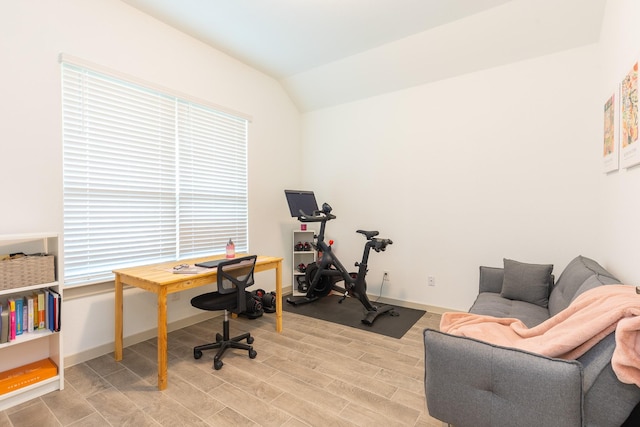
x=526 y=282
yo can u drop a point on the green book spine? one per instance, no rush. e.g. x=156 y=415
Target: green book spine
x=4 y=326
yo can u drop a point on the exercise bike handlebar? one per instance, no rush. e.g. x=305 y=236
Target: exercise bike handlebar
x=317 y=216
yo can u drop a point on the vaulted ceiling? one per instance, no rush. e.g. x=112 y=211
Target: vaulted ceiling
x=327 y=52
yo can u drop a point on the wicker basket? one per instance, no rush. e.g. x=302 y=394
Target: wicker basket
x=27 y=271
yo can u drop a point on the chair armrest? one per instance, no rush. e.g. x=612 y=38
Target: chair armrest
x=490 y=279
x=472 y=383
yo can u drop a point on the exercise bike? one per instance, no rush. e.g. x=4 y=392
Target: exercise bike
x=324 y=275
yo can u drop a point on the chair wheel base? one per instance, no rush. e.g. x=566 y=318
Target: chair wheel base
x=252 y=354
x=197 y=354
x=217 y=364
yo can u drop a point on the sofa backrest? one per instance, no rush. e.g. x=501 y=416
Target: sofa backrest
x=580 y=275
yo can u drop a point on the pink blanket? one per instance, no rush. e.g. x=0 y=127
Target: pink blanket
x=569 y=334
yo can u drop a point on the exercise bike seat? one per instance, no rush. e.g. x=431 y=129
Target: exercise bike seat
x=368 y=234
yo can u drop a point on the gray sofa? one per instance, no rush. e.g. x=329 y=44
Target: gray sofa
x=470 y=383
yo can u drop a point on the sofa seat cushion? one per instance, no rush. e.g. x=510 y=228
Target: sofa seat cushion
x=492 y=304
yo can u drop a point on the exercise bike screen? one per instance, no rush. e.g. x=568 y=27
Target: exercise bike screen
x=304 y=200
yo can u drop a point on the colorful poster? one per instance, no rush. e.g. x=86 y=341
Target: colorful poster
x=610 y=143
x=629 y=151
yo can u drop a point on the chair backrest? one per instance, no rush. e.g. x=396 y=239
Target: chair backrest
x=236 y=274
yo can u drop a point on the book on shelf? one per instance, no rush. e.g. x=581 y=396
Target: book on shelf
x=26 y=375
x=41 y=310
x=19 y=316
x=49 y=311
x=34 y=296
x=54 y=315
x=47 y=308
x=12 y=319
x=29 y=304
x=4 y=325
x=25 y=316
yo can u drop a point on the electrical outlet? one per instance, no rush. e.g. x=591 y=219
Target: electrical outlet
x=431 y=281
x=385 y=276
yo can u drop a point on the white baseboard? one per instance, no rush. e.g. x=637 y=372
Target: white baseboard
x=74 y=359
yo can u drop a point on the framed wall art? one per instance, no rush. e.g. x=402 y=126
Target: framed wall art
x=610 y=147
x=629 y=144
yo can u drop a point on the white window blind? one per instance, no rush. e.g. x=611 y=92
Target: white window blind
x=148 y=176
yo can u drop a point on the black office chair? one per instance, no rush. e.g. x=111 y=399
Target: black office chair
x=234 y=276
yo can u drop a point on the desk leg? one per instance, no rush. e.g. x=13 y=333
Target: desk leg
x=118 y=316
x=162 y=338
x=279 y=296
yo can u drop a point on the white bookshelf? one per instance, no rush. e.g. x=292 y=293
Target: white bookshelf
x=40 y=344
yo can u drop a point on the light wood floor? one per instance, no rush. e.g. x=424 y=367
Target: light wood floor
x=315 y=373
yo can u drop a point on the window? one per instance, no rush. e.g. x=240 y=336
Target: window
x=148 y=176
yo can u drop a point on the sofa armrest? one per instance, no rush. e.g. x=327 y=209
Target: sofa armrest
x=472 y=383
x=491 y=279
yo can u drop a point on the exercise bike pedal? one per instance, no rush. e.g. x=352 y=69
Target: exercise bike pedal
x=344 y=297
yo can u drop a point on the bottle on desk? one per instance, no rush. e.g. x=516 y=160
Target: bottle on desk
x=231 y=249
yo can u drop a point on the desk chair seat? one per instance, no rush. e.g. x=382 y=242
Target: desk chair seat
x=234 y=276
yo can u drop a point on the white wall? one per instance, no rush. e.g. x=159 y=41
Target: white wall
x=114 y=35
x=464 y=172
x=620 y=191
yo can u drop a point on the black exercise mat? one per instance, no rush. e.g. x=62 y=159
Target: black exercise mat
x=351 y=312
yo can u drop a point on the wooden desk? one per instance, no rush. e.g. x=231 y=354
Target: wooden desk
x=159 y=278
